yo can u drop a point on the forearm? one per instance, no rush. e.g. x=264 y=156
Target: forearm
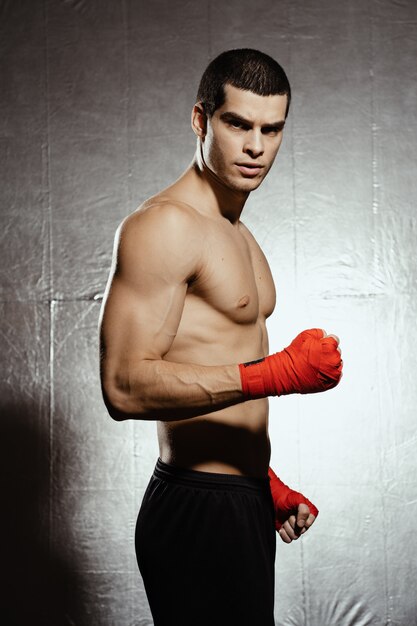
x=158 y=389
x=162 y=390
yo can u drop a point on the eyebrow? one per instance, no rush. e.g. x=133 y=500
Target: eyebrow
x=229 y=116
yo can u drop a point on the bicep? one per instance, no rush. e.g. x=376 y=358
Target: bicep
x=146 y=293
x=140 y=322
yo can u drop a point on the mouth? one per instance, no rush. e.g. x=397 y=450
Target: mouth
x=250 y=169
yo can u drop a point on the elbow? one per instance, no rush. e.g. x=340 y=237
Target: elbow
x=115 y=406
x=120 y=404
x=117 y=413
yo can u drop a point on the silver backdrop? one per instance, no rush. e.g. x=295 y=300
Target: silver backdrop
x=94 y=117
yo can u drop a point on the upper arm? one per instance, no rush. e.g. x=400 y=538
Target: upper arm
x=155 y=257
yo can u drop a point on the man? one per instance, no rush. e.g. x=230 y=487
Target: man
x=184 y=342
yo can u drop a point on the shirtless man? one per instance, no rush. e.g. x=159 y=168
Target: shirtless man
x=184 y=342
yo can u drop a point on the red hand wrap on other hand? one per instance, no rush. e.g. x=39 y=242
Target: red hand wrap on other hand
x=311 y=363
x=286 y=500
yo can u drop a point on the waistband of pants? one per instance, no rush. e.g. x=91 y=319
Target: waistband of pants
x=211 y=480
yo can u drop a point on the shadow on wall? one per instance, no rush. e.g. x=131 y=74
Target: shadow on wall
x=37 y=585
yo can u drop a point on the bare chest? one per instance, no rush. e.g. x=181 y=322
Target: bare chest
x=234 y=278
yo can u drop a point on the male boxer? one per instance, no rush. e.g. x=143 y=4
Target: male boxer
x=184 y=342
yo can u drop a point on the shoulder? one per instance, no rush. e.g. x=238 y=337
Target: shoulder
x=160 y=233
x=160 y=218
x=256 y=251
x=253 y=244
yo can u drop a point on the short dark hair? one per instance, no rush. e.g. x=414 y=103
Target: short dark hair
x=243 y=68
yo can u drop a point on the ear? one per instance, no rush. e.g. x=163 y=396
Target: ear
x=199 y=120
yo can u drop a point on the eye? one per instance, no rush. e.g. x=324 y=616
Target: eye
x=238 y=125
x=271 y=130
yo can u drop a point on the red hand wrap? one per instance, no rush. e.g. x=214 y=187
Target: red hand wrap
x=311 y=363
x=286 y=500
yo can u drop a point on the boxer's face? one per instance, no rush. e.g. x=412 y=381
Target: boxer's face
x=242 y=138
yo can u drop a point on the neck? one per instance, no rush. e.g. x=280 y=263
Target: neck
x=217 y=197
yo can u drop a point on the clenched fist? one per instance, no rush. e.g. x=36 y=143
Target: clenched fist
x=311 y=363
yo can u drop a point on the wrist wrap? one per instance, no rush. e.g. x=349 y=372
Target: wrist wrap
x=286 y=500
x=311 y=363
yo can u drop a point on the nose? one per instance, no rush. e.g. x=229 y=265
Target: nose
x=254 y=145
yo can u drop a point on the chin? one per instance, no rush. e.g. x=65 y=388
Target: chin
x=245 y=185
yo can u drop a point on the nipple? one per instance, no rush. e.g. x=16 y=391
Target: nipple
x=243 y=302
